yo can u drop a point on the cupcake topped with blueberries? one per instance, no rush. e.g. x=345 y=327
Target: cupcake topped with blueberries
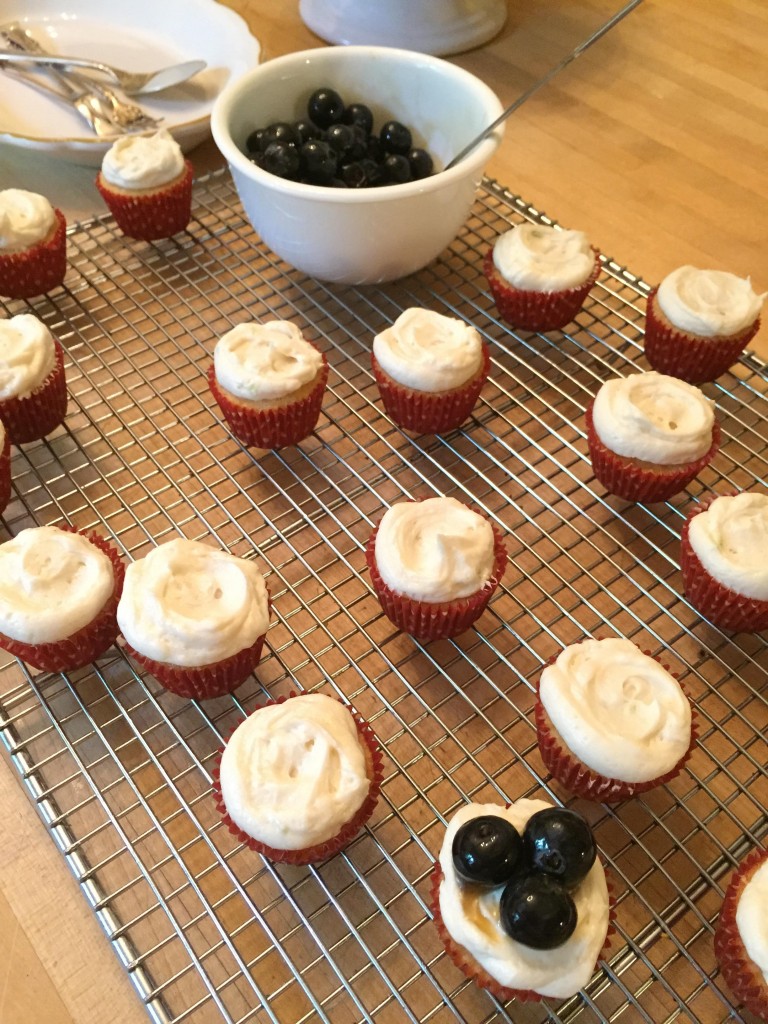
x=520 y=899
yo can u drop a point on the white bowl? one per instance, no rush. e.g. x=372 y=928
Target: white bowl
x=360 y=236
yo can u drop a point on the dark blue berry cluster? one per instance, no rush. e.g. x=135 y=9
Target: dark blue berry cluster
x=538 y=869
x=335 y=145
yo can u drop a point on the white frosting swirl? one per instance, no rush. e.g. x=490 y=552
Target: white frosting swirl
x=653 y=417
x=27 y=355
x=538 y=258
x=264 y=362
x=752 y=920
x=709 y=303
x=428 y=351
x=143 y=161
x=434 y=550
x=618 y=710
x=293 y=774
x=188 y=604
x=52 y=583
x=471 y=915
x=25 y=219
x=730 y=539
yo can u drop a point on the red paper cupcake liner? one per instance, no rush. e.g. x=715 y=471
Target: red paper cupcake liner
x=743 y=977
x=5 y=471
x=278 y=427
x=579 y=779
x=321 y=851
x=426 y=413
x=633 y=482
x=537 y=311
x=723 y=607
x=470 y=967
x=149 y=216
x=686 y=356
x=89 y=642
x=438 y=620
x=36 y=270
x=36 y=415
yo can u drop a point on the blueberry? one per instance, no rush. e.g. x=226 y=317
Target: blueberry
x=395 y=138
x=374 y=172
x=397 y=168
x=359 y=114
x=559 y=842
x=306 y=130
x=255 y=142
x=421 y=163
x=280 y=131
x=340 y=138
x=282 y=159
x=486 y=849
x=537 y=910
x=325 y=107
x=319 y=161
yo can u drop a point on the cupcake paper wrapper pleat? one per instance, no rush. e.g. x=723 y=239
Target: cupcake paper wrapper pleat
x=428 y=620
x=632 y=482
x=5 y=472
x=690 y=358
x=426 y=413
x=36 y=270
x=150 y=216
x=321 y=851
x=279 y=427
x=742 y=975
x=469 y=966
x=89 y=642
x=723 y=607
x=38 y=414
x=537 y=311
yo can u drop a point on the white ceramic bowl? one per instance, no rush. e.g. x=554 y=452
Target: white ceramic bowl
x=360 y=236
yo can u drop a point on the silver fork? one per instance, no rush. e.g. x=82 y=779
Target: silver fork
x=89 y=107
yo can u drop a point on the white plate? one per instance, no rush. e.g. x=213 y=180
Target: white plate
x=138 y=35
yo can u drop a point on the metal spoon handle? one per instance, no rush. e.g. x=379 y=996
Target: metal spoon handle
x=543 y=81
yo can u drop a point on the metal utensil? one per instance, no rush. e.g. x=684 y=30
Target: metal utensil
x=89 y=106
x=543 y=81
x=132 y=83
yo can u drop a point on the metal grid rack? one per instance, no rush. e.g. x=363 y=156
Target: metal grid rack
x=120 y=770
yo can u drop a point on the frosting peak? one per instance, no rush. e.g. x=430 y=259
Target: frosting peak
x=25 y=219
x=27 y=355
x=709 y=303
x=263 y=362
x=730 y=539
x=428 y=351
x=143 y=161
x=538 y=258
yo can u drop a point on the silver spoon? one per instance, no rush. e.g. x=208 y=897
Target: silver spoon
x=543 y=81
x=131 y=82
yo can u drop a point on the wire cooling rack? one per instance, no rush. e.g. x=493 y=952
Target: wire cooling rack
x=121 y=770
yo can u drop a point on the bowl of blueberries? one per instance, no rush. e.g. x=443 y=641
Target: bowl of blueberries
x=337 y=154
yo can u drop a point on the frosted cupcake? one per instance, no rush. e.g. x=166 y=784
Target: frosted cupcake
x=33 y=244
x=147 y=185
x=430 y=370
x=5 y=468
x=269 y=382
x=649 y=435
x=698 y=322
x=520 y=899
x=59 y=590
x=611 y=721
x=434 y=565
x=299 y=778
x=195 y=617
x=33 y=386
x=540 y=276
x=741 y=939
x=724 y=560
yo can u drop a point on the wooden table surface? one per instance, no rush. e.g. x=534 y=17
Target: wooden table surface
x=655 y=142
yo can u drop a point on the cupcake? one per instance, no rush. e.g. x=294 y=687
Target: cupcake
x=5 y=468
x=698 y=322
x=540 y=276
x=33 y=387
x=59 y=590
x=434 y=565
x=430 y=370
x=520 y=899
x=741 y=939
x=649 y=435
x=195 y=617
x=611 y=721
x=33 y=244
x=147 y=185
x=269 y=382
x=724 y=560
x=299 y=778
